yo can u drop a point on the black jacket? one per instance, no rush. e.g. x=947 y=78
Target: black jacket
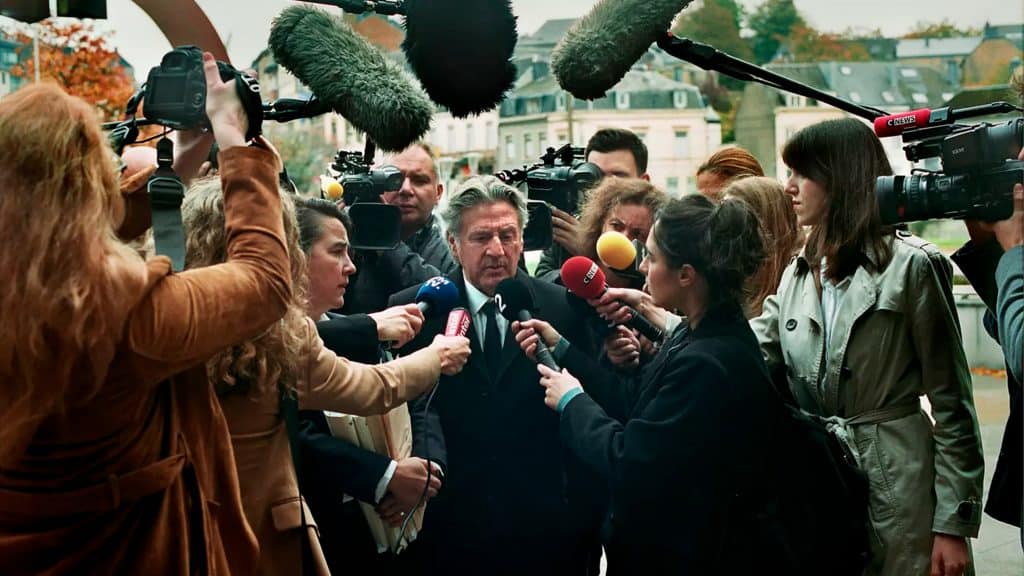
x=332 y=467
x=680 y=447
x=514 y=501
x=382 y=273
x=1006 y=493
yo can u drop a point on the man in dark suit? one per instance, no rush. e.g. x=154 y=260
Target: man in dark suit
x=514 y=501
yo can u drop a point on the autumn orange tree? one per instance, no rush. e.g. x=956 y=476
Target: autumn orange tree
x=81 y=60
x=809 y=45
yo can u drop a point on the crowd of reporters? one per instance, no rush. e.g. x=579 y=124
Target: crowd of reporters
x=159 y=421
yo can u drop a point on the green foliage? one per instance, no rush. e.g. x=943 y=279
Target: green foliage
x=715 y=22
x=808 y=45
x=305 y=155
x=772 y=22
x=943 y=29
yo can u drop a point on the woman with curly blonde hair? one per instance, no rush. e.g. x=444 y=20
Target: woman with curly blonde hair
x=113 y=453
x=626 y=205
x=289 y=359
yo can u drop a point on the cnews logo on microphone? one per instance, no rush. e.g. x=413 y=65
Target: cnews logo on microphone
x=894 y=122
x=590 y=274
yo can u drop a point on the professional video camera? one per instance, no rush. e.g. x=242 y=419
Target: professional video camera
x=375 y=225
x=359 y=181
x=980 y=169
x=557 y=180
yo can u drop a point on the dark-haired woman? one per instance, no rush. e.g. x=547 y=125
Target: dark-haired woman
x=863 y=324
x=678 y=447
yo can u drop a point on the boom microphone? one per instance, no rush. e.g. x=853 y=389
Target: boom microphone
x=603 y=45
x=350 y=76
x=514 y=300
x=437 y=296
x=461 y=51
x=586 y=279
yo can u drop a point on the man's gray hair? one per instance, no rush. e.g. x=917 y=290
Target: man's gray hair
x=482 y=190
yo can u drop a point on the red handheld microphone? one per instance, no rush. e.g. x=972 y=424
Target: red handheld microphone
x=896 y=124
x=458 y=322
x=585 y=279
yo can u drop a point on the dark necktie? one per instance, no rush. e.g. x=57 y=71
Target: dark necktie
x=492 y=341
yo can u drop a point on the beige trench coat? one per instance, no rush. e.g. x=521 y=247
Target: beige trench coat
x=896 y=337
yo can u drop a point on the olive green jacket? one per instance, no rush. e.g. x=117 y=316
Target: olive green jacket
x=896 y=337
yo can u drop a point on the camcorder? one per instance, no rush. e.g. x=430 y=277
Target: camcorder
x=980 y=168
x=375 y=225
x=558 y=180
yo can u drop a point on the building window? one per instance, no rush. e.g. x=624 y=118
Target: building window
x=908 y=72
x=533 y=106
x=510 y=148
x=855 y=96
x=947 y=96
x=451 y=138
x=796 y=101
x=560 y=101
x=888 y=97
x=672 y=186
x=470 y=137
x=491 y=136
x=679 y=99
x=919 y=98
x=845 y=70
x=562 y=137
x=542 y=141
x=682 y=144
x=528 y=148
x=622 y=100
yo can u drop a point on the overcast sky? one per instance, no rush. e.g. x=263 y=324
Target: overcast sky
x=245 y=24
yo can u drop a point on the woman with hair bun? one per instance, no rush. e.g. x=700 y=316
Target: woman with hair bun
x=677 y=446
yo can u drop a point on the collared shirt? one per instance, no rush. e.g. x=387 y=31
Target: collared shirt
x=476 y=300
x=831 y=300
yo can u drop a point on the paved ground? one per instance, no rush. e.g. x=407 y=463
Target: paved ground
x=997 y=551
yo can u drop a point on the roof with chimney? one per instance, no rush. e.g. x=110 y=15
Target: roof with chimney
x=550 y=32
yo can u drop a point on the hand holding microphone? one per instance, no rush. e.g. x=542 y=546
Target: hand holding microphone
x=528 y=336
x=453 y=352
x=398 y=324
x=586 y=279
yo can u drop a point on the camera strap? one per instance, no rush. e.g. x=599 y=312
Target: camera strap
x=166 y=192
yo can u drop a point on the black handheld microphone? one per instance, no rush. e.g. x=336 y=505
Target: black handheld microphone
x=601 y=47
x=514 y=300
x=349 y=75
x=461 y=51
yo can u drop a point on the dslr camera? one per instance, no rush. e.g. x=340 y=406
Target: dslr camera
x=557 y=180
x=175 y=92
x=375 y=225
x=980 y=168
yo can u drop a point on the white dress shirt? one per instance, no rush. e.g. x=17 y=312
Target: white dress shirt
x=476 y=300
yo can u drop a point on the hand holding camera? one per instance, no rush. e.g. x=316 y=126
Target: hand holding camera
x=223 y=107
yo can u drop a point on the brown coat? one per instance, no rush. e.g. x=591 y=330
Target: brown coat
x=270 y=493
x=138 y=478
